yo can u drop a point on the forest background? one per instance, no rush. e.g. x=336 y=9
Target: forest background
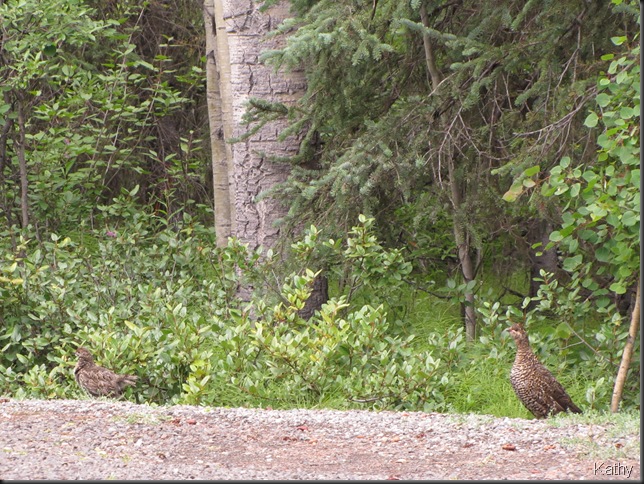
x=426 y=171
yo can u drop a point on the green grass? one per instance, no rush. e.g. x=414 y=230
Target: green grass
x=429 y=314
x=486 y=390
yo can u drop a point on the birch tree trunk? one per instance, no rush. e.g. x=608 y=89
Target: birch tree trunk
x=235 y=37
x=620 y=380
x=240 y=30
x=219 y=109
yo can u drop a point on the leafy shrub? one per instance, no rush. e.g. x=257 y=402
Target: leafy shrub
x=141 y=299
x=159 y=301
x=356 y=354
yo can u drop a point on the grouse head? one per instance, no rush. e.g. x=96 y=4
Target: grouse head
x=517 y=331
x=84 y=357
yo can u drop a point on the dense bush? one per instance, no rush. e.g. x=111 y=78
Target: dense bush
x=139 y=293
x=160 y=303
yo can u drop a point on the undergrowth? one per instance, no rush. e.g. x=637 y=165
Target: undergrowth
x=160 y=303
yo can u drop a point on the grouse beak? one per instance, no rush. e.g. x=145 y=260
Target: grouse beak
x=508 y=331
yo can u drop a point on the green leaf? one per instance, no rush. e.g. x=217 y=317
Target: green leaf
x=618 y=287
x=627 y=112
x=556 y=236
x=515 y=190
x=591 y=120
x=571 y=263
x=630 y=218
x=618 y=40
x=621 y=77
x=563 y=331
x=603 y=99
x=602 y=254
x=533 y=170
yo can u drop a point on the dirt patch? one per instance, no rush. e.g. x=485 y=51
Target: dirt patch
x=93 y=439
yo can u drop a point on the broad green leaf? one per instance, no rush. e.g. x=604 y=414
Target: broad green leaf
x=618 y=287
x=563 y=331
x=591 y=120
x=618 y=40
x=556 y=236
x=515 y=190
x=50 y=49
x=533 y=170
x=571 y=263
x=603 y=99
x=630 y=218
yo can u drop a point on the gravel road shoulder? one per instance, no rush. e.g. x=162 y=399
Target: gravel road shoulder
x=94 y=439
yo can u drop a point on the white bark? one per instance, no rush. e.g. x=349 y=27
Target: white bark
x=253 y=173
x=220 y=118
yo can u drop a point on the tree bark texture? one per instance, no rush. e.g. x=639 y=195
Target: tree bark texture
x=219 y=109
x=620 y=380
x=241 y=29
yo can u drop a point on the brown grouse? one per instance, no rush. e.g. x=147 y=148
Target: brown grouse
x=99 y=381
x=535 y=386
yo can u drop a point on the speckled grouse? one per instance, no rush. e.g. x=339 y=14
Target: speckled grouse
x=533 y=383
x=99 y=381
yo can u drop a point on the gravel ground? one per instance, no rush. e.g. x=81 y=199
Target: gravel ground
x=95 y=439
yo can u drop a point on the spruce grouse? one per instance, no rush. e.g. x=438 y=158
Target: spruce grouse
x=535 y=386
x=99 y=381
